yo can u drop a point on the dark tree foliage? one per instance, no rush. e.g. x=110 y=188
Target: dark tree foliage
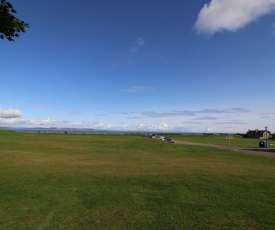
x=10 y=26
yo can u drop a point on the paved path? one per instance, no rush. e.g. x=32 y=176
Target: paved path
x=268 y=152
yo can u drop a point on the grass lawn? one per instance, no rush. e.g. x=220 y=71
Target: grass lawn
x=221 y=140
x=69 y=181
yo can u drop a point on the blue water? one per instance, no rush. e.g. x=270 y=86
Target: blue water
x=63 y=130
x=90 y=131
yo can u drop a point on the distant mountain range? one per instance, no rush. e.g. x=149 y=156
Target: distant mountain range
x=56 y=130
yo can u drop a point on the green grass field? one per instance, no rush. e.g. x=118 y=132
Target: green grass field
x=221 y=140
x=67 y=181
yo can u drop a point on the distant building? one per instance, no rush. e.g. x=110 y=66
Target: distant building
x=153 y=136
x=261 y=134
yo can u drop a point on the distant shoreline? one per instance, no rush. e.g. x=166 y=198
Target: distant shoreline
x=96 y=131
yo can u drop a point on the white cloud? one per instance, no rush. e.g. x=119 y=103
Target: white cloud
x=10 y=113
x=152 y=127
x=101 y=125
x=231 y=15
x=10 y=122
x=48 y=123
x=21 y=122
x=163 y=126
x=45 y=122
x=214 y=120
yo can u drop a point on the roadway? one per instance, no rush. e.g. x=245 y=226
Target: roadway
x=267 y=152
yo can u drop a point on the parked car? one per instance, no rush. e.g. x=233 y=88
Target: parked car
x=170 y=140
x=161 y=138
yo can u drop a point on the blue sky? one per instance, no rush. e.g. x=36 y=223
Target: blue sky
x=159 y=65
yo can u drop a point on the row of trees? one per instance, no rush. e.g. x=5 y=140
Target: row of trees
x=10 y=26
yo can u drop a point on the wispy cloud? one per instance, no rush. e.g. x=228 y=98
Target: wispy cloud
x=273 y=28
x=216 y=120
x=100 y=114
x=236 y=110
x=195 y=113
x=40 y=106
x=217 y=111
x=267 y=115
x=168 y=114
x=139 y=42
x=138 y=89
x=74 y=113
x=192 y=122
x=205 y=118
x=10 y=113
x=127 y=58
x=231 y=15
x=128 y=114
x=122 y=113
x=75 y=94
x=230 y=122
x=134 y=117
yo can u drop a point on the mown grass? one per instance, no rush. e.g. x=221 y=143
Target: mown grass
x=221 y=140
x=65 y=181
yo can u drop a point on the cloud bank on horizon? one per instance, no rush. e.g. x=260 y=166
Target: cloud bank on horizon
x=14 y=118
x=231 y=15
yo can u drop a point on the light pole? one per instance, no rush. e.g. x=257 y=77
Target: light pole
x=266 y=135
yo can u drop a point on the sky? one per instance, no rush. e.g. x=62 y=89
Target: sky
x=156 y=65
